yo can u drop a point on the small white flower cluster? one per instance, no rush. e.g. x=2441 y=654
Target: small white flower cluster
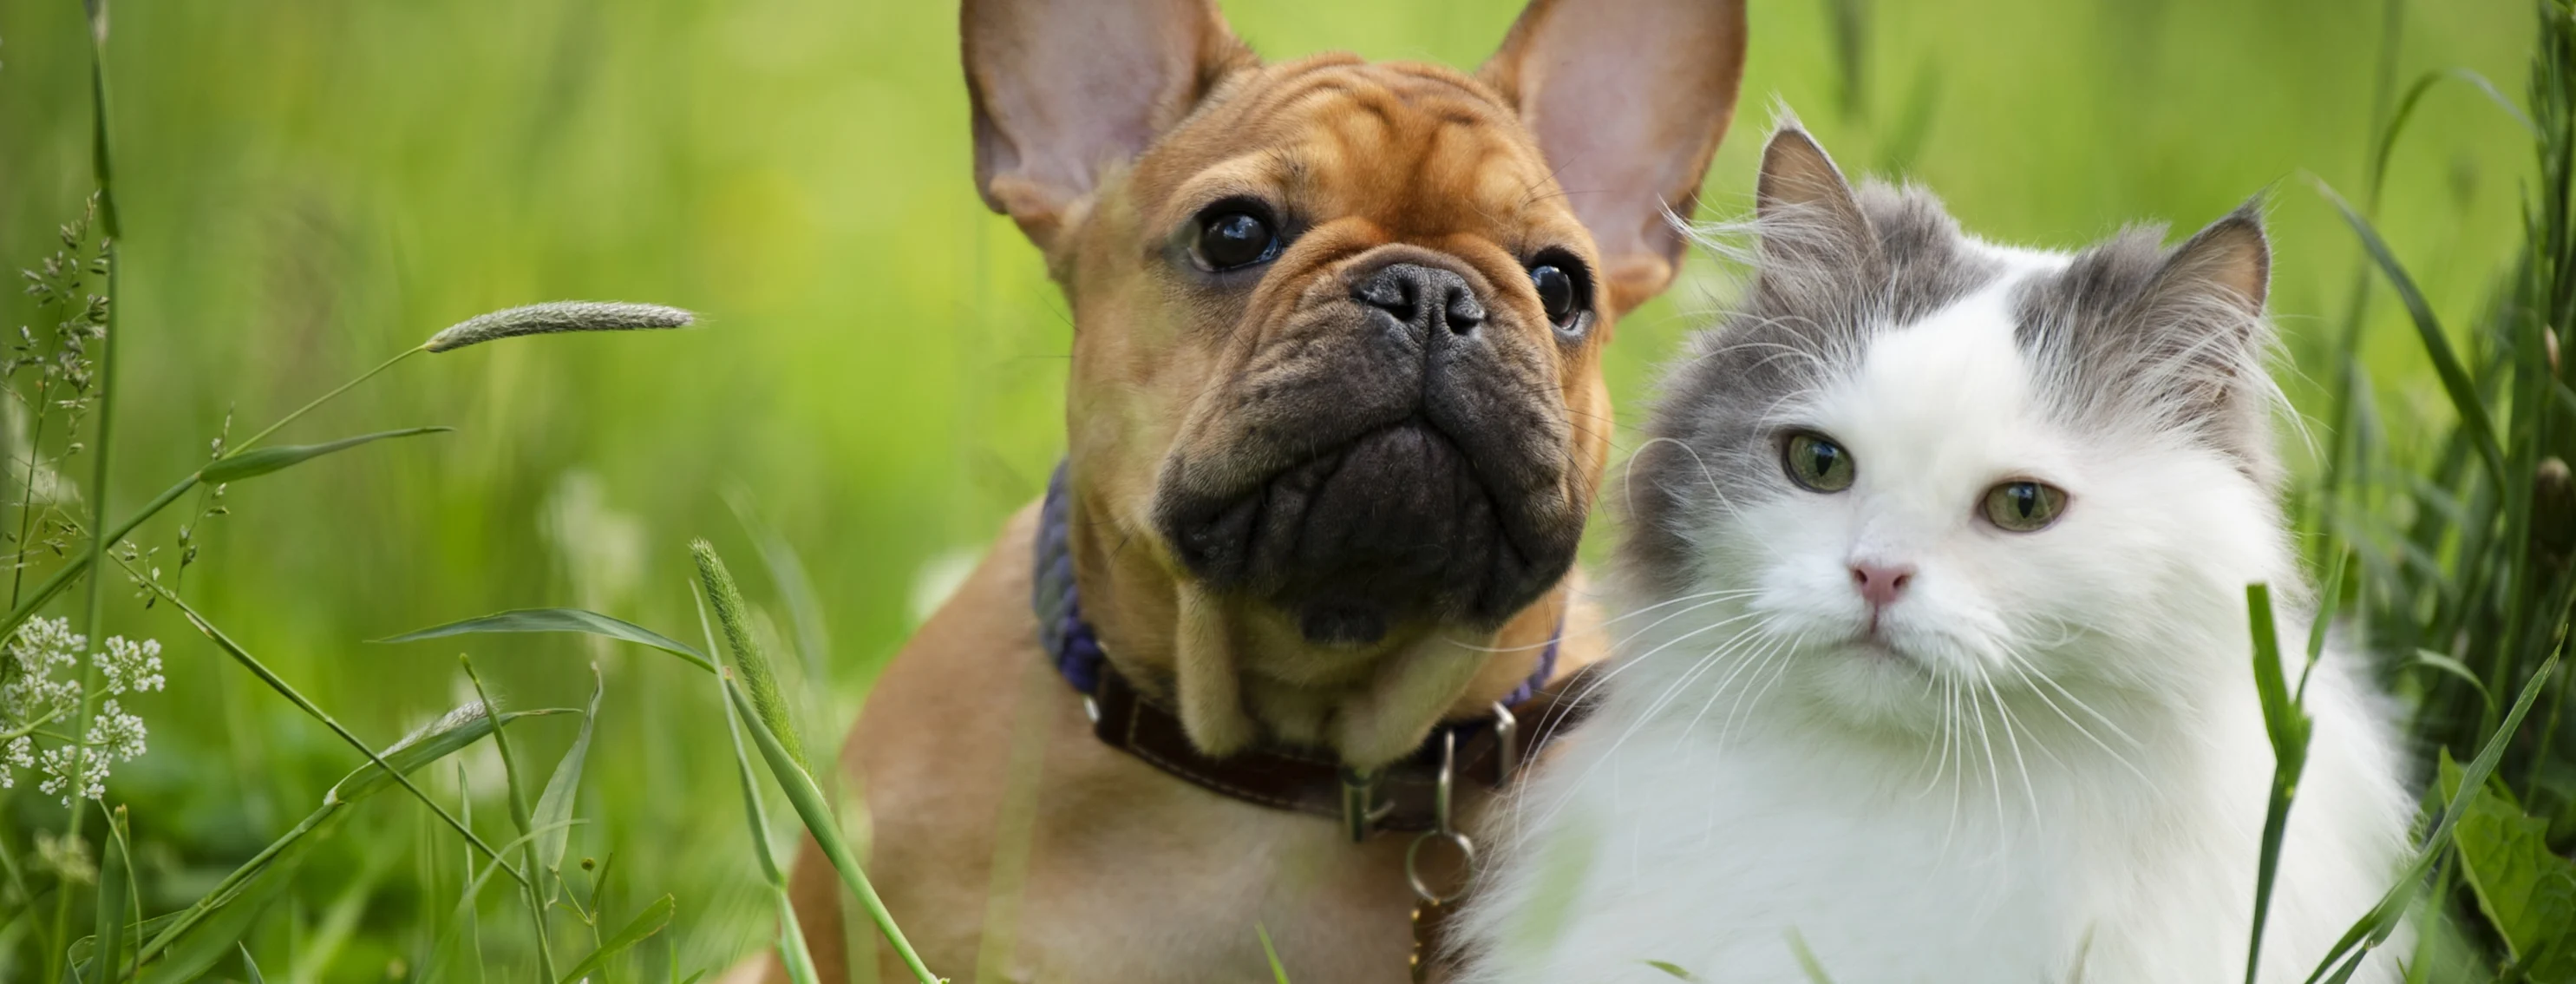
x=130 y=665
x=33 y=704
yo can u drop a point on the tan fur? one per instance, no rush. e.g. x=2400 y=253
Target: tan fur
x=1101 y=128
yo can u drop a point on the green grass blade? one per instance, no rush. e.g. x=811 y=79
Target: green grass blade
x=561 y=620
x=2382 y=919
x=793 y=954
x=555 y=806
x=645 y=924
x=77 y=564
x=1278 y=973
x=2288 y=725
x=314 y=711
x=2437 y=346
x=114 y=879
x=250 y=967
x=2415 y=93
x=810 y=807
x=1807 y=962
x=2433 y=660
x=445 y=736
x=261 y=461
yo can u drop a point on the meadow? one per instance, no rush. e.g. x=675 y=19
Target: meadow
x=306 y=188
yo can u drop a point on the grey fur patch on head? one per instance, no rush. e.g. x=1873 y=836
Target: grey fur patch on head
x=2127 y=337
x=2132 y=337
x=1832 y=267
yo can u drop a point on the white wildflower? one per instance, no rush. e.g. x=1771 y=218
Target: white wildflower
x=20 y=753
x=31 y=698
x=44 y=643
x=129 y=665
x=72 y=771
x=117 y=734
x=34 y=698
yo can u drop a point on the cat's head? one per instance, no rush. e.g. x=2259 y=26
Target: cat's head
x=1911 y=465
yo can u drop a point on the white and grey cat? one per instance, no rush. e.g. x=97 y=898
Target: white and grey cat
x=1940 y=665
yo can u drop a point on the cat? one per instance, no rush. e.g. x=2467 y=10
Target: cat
x=1939 y=666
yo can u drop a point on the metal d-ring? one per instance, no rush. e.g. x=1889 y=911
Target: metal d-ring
x=1441 y=829
x=1507 y=744
x=1360 y=809
x=1413 y=873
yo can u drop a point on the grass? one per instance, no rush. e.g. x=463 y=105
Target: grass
x=883 y=387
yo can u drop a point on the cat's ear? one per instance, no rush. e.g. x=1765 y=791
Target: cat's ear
x=2227 y=265
x=2200 y=322
x=1804 y=209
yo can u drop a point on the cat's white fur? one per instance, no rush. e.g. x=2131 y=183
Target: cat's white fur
x=2063 y=777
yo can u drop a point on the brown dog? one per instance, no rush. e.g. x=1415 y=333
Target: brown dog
x=1336 y=419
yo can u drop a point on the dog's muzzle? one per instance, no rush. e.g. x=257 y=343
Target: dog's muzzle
x=1405 y=520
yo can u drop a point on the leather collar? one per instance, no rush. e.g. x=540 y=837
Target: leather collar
x=1403 y=796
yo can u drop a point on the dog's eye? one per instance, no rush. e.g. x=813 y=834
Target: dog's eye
x=1231 y=238
x=1555 y=291
x=1564 y=290
x=2024 y=506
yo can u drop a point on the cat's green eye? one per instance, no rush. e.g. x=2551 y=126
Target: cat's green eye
x=2024 y=506
x=1815 y=462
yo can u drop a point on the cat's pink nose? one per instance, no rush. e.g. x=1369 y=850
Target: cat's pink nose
x=1881 y=584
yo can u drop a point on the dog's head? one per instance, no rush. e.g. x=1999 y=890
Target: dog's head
x=1336 y=408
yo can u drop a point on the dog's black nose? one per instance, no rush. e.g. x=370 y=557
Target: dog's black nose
x=1423 y=299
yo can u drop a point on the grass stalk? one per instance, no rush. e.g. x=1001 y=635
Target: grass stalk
x=519 y=817
x=793 y=955
x=287 y=690
x=769 y=731
x=111 y=231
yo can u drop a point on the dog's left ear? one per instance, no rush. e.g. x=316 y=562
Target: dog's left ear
x=1628 y=99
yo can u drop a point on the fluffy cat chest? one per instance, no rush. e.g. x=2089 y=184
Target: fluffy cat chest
x=1714 y=865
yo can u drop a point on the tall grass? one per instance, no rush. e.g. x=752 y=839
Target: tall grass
x=2464 y=586
x=67 y=733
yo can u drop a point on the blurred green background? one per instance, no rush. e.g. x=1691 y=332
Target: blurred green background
x=311 y=185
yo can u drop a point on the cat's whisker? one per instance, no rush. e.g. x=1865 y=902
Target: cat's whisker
x=2014 y=662
x=1661 y=700
x=1986 y=743
x=1621 y=665
x=2077 y=701
x=1787 y=653
x=1779 y=650
x=1628 y=481
x=1752 y=663
x=2012 y=739
x=1703 y=599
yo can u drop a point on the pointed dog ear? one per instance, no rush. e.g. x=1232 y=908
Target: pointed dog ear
x=1628 y=99
x=1065 y=90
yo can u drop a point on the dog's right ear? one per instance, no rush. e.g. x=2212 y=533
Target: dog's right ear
x=1064 y=90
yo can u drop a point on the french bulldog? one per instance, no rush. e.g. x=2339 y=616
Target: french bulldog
x=1334 y=423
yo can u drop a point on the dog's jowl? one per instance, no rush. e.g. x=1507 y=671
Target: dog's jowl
x=1334 y=424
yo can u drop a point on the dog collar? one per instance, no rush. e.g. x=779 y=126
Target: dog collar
x=1411 y=794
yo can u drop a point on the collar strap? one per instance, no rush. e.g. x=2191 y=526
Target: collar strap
x=1405 y=795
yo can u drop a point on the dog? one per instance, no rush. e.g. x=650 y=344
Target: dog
x=1334 y=424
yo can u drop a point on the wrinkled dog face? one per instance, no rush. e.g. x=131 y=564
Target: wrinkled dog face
x=1336 y=414
x=1390 y=324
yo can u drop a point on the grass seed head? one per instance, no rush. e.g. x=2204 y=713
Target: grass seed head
x=749 y=663
x=558 y=316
